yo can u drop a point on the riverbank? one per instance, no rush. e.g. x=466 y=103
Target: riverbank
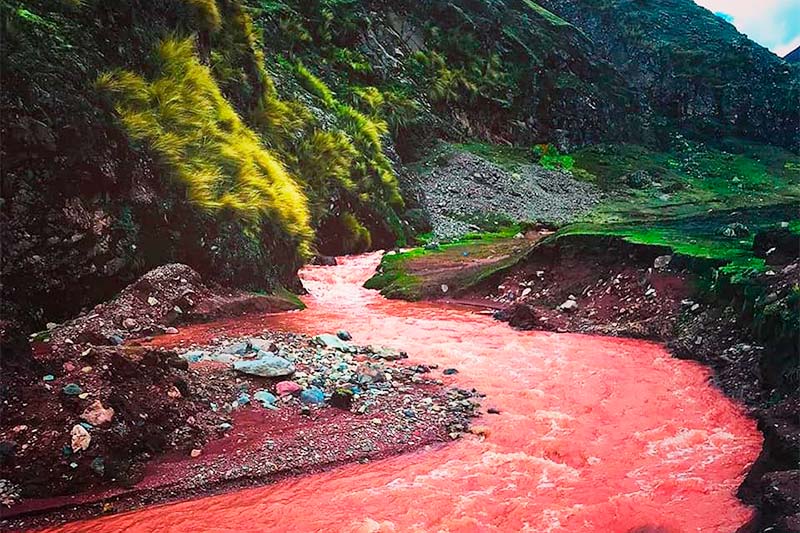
x=582 y=434
x=147 y=420
x=603 y=285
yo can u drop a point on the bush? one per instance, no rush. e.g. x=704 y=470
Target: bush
x=183 y=118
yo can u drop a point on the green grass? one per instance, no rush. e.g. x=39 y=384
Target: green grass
x=689 y=179
x=506 y=157
x=401 y=276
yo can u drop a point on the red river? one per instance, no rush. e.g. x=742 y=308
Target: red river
x=595 y=435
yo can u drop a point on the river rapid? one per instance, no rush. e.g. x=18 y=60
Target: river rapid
x=596 y=434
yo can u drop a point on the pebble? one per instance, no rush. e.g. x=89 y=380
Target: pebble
x=152 y=301
x=195 y=453
x=449 y=371
x=48 y=377
x=344 y=335
x=266 y=398
x=80 y=438
x=312 y=396
x=72 y=389
x=331 y=341
x=287 y=387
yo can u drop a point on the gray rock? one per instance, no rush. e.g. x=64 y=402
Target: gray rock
x=268 y=366
x=331 y=341
x=569 y=305
x=662 y=261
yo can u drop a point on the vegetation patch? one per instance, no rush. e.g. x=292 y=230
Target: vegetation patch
x=445 y=270
x=181 y=115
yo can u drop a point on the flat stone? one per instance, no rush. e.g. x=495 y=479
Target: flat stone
x=266 y=398
x=265 y=367
x=97 y=415
x=331 y=341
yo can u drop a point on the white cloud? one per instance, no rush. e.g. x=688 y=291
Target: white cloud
x=774 y=24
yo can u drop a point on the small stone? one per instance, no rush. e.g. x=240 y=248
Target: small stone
x=129 y=323
x=171 y=331
x=195 y=453
x=266 y=398
x=287 y=387
x=97 y=415
x=450 y=371
x=444 y=288
x=312 y=396
x=152 y=301
x=225 y=426
x=173 y=392
x=51 y=326
x=493 y=411
x=86 y=369
x=98 y=466
x=344 y=335
x=650 y=292
x=243 y=399
x=695 y=308
x=83 y=395
x=72 y=389
x=116 y=340
x=376 y=421
x=526 y=291
x=662 y=261
x=569 y=305
x=48 y=377
x=80 y=438
x=481 y=431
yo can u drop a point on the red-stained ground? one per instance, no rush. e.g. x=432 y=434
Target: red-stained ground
x=595 y=434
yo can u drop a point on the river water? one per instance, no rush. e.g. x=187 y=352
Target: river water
x=595 y=434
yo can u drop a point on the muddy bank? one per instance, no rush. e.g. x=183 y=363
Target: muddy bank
x=94 y=428
x=746 y=334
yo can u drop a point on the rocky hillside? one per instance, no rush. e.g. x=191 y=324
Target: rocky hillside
x=243 y=137
x=692 y=69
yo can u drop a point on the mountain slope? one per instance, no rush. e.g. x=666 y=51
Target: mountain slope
x=693 y=68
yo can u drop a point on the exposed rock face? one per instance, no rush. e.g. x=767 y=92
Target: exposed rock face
x=693 y=69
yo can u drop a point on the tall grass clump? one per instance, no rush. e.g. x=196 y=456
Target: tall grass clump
x=206 y=14
x=180 y=113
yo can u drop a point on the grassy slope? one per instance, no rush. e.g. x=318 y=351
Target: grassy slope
x=421 y=272
x=690 y=194
x=687 y=198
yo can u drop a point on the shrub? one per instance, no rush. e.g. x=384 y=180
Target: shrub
x=356 y=237
x=181 y=115
x=206 y=14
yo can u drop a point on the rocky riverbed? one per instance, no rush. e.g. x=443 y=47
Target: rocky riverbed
x=90 y=427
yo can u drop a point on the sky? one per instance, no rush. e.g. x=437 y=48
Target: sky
x=774 y=24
